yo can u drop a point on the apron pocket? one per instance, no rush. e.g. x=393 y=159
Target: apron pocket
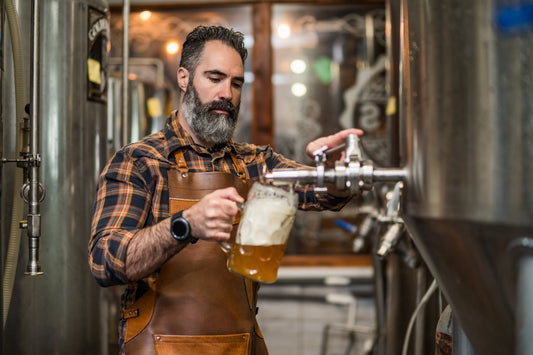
x=231 y=344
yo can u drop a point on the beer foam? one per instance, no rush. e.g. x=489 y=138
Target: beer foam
x=266 y=222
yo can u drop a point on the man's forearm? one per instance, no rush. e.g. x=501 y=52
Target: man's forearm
x=150 y=248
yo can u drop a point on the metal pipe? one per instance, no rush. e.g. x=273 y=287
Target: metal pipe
x=34 y=216
x=125 y=70
x=310 y=175
x=389 y=175
x=420 y=323
x=524 y=311
x=303 y=176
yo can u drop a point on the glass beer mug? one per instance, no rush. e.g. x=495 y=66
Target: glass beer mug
x=266 y=221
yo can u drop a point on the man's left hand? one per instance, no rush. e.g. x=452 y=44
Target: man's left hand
x=331 y=142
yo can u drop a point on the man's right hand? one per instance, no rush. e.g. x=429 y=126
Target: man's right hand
x=212 y=217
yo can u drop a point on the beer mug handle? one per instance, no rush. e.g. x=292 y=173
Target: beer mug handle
x=225 y=246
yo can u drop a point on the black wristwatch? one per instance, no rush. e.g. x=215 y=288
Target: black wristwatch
x=180 y=229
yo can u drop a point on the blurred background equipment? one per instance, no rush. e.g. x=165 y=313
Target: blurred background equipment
x=54 y=66
x=432 y=254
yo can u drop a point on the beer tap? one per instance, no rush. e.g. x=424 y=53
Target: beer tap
x=364 y=231
x=353 y=174
x=396 y=225
x=396 y=238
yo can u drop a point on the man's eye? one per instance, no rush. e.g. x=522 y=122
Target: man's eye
x=215 y=80
x=237 y=85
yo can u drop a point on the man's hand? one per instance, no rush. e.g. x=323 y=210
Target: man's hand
x=212 y=217
x=331 y=142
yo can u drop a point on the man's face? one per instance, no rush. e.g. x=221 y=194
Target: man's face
x=212 y=99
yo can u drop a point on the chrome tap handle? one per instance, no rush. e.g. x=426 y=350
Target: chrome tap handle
x=390 y=239
x=353 y=150
x=320 y=155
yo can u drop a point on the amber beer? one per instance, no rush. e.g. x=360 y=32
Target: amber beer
x=257 y=262
x=263 y=232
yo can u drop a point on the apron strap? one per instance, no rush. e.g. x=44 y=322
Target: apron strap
x=180 y=161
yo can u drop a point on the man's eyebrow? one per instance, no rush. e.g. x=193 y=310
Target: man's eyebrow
x=218 y=72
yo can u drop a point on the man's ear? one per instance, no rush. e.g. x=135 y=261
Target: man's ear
x=183 y=78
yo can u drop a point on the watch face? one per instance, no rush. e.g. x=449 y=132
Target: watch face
x=180 y=228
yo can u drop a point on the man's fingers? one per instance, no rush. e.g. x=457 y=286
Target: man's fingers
x=230 y=193
x=331 y=141
x=212 y=217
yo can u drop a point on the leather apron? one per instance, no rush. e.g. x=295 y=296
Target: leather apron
x=198 y=306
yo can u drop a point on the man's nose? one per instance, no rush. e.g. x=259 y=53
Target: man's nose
x=226 y=92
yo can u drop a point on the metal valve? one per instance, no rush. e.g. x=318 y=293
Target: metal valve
x=396 y=225
x=352 y=174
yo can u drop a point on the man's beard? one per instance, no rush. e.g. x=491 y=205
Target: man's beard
x=210 y=127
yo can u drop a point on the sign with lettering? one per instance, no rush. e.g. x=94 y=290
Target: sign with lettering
x=98 y=55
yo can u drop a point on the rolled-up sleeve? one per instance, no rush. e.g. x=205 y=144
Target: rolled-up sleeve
x=120 y=210
x=309 y=199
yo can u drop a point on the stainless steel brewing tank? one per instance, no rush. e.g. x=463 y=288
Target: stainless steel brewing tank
x=59 y=312
x=467 y=109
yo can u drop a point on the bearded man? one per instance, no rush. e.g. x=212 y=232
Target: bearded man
x=164 y=202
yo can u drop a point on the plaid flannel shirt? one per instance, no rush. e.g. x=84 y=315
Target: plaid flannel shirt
x=132 y=193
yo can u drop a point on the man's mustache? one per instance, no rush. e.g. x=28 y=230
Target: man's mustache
x=221 y=105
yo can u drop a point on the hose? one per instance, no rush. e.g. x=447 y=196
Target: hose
x=20 y=98
x=18 y=66
x=422 y=303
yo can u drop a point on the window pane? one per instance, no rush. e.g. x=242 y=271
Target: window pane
x=329 y=74
x=319 y=52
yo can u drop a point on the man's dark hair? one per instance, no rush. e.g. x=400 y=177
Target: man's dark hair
x=195 y=41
